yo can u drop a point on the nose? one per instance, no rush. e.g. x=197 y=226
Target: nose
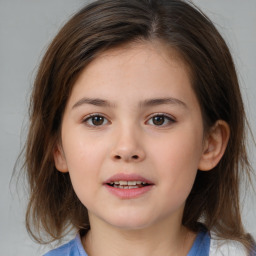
x=128 y=146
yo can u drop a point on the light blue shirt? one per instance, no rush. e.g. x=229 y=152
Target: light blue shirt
x=201 y=247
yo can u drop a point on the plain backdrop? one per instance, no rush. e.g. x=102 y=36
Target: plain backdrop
x=26 y=28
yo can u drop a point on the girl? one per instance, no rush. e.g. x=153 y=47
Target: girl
x=137 y=135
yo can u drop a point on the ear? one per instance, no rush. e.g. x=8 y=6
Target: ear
x=214 y=145
x=59 y=159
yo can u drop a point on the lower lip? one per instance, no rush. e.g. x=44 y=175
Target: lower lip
x=128 y=193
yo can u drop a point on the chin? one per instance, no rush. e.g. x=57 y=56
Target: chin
x=131 y=222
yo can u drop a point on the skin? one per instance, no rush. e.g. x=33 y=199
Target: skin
x=129 y=141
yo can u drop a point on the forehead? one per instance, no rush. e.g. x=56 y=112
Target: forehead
x=148 y=49
x=145 y=69
x=143 y=56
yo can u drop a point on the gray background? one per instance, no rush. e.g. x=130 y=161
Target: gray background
x=26 y=28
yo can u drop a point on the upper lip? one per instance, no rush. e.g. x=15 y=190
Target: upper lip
x=127 y=177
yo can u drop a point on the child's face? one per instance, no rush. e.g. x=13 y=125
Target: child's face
x=148 y=128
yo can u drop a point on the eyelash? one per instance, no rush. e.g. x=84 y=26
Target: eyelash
x=170 y=120
x=90 y=117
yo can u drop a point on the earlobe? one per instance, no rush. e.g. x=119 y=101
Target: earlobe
x=214 y=145
x=59 y=159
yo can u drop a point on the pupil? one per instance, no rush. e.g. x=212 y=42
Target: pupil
x=158 y=120
x=97 y=120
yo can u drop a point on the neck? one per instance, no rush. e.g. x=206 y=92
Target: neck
x=169 y=238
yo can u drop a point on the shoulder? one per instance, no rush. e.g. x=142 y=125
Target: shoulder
x=221 y=247
x=72 y=248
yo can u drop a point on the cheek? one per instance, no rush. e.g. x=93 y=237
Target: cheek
x=84 y=157
x=83 y=153
x=177 y=159
x=178 y=150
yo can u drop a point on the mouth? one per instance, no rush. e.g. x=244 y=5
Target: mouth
x=122 y=184
x=128 y=186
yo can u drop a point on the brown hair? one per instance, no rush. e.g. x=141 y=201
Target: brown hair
x=104 y=24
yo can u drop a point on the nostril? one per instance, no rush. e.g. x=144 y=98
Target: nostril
x=133 y=157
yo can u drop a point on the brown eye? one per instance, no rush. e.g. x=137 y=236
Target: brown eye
x=158 y=120
x=95 y=120
x=161 y=120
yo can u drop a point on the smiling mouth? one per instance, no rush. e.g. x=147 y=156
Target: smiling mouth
x=128 y=184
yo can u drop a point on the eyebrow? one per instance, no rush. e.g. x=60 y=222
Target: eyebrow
x=93 y=101
x=146 y=103
x=162 y=101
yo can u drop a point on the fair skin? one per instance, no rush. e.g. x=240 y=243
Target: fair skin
x=147 y=127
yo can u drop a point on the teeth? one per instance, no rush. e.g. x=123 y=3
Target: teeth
x=127 y=183
x=125 y=187
x=133 y=186
x=132 y=183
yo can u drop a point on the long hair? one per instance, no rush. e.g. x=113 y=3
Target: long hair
x=53 y=206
